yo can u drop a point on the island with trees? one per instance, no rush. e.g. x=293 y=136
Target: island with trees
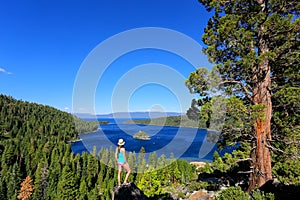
x=141 y=135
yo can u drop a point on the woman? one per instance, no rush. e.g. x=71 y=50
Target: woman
x=120 y=156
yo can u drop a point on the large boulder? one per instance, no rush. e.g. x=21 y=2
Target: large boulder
x=280 y=190
x=128 y=192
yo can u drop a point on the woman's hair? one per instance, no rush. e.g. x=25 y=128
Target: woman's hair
x=119 y=149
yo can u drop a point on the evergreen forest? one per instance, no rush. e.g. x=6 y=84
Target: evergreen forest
x=37 y=161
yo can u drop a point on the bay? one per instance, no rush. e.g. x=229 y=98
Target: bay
x=190 y=144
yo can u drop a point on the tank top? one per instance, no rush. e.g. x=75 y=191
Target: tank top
x=121 y=158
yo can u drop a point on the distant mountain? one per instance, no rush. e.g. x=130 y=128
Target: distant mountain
x=85 y=115
x=139 y=115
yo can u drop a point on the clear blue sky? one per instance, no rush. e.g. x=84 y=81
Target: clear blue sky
x=43 y=44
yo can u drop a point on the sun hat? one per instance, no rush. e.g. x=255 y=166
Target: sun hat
x=121 y=142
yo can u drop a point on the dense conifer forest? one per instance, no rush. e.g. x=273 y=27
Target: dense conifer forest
x=37 y=161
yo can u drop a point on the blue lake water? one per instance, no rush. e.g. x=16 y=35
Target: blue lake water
x=186 y=143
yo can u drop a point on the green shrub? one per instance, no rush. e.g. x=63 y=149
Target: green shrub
x=232 y=193
x=260 y=195
x=180 y=195
x=194 y=186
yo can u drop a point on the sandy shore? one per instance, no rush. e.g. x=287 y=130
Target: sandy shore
x=198 y=164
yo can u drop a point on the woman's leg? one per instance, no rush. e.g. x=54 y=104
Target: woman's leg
x=119 y=174
x=127 y=168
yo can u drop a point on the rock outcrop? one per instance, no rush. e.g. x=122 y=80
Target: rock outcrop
x=128 y=192
x=201 y=194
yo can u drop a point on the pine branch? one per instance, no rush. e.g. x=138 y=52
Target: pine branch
x=287 y=142
x=244 y=159
x=282 y=32
x=242 y=86
x=245 y=172
x=283 y=152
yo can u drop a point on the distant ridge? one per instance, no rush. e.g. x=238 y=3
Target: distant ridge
x=145 y=115
x=139 y=115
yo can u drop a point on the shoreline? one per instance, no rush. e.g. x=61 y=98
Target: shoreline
x=75 y=140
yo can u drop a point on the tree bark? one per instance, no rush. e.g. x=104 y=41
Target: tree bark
x=261 y=155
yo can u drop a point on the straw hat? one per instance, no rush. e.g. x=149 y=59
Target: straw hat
x=121 y=142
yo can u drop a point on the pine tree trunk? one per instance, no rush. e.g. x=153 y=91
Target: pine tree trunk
x=261 y=155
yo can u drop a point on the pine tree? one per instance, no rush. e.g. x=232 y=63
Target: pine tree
x=41 y=181
x=83 y=191
x=152 y=161
x=3 y=189
x=8 y=154
x=187 y=171
x=161 y=162
x=14 y=180
x=67 y=185
x=255 y=46
x=93 y=194
x=132 y=163
x=173 y=172
x=78 y=167
x=141 y=161
x=26 y=189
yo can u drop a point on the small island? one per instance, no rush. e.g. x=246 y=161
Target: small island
x=141 y=135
